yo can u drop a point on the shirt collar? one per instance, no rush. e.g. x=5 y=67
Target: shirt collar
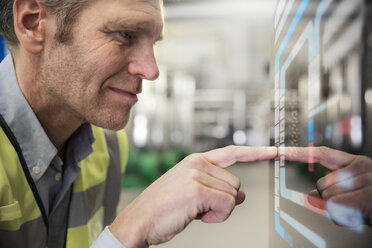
x=80 y=143
x=36 y=146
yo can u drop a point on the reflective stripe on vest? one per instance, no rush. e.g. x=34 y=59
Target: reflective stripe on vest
x=91 y=208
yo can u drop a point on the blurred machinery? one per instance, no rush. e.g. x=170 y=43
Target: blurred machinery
x=323 y=85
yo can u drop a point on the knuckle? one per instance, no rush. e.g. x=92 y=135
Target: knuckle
x=197 y=191
x=363 y=180
x=324 y=148
x=325 y=194
x=367 y=162
x=195 y=175
x=324 y=151
x=236 y=182
x=231 y=149
x=319 y=152
x=192 y=159
x=361 y=165
x=320 y=183
x=230 y=202
x=362 y=157
x=234 y=193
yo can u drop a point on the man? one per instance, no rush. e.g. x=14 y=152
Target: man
x=76 y=66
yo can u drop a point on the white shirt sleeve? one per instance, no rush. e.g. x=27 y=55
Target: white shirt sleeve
x=107 y=239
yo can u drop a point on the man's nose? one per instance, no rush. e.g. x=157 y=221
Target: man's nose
x=144 y=64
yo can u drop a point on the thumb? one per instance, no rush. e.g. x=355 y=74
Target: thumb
x=315 y=200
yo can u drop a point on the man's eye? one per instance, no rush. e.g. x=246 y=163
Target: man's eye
x=129 y=36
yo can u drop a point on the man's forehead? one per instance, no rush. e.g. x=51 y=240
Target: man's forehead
x=136 y=15
x=155 y=3
x=124 y=11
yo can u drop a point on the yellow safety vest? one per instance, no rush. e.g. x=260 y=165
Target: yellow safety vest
x=95 y=193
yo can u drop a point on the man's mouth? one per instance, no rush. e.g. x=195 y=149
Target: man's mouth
x=128 y=96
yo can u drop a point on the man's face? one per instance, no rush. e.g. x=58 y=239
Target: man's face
x=98 y=73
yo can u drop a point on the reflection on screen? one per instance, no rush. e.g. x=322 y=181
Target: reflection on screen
x=322 y=67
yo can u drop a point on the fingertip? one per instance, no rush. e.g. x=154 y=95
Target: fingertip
x=281 y=151
x=273 y=150
x=264 y=153
x=240 y=197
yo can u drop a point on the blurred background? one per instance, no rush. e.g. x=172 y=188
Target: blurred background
x=214 y=90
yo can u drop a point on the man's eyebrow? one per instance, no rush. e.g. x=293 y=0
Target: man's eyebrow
x=146 y=27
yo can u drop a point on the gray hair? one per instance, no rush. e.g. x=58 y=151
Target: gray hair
x=65 y=10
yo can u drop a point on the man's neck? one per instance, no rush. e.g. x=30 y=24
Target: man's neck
x=57 y=120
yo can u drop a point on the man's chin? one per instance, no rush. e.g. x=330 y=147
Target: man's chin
x=114 y=124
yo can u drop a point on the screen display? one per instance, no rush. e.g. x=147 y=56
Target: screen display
x=322 y=74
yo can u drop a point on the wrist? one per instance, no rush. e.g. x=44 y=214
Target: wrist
x=129 y=231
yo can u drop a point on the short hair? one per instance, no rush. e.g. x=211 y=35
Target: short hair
x=65 y=10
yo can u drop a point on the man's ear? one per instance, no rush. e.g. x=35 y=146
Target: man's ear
x=29 y=24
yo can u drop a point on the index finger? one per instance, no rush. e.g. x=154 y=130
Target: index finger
x=330 y=158
x=229 y=155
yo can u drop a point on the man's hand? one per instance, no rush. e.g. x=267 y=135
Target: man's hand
x=347 y=189
x=197 y=187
